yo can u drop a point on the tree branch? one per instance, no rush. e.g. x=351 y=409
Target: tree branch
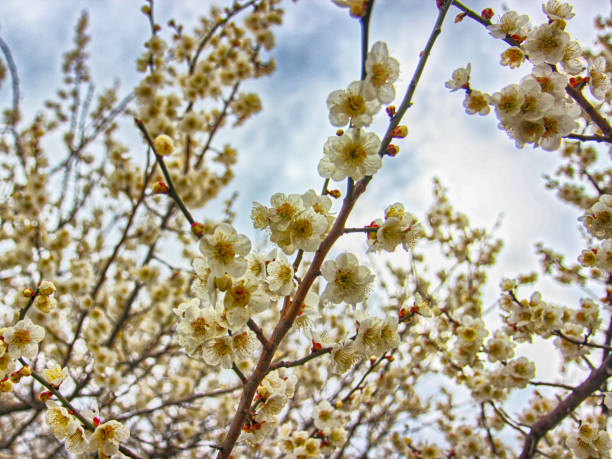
x=541 y=427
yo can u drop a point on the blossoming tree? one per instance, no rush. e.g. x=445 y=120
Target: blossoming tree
x=293 y=349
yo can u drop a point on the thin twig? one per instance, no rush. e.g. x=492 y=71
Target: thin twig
x=583 y=342
x=160 y=160
x=586 y=138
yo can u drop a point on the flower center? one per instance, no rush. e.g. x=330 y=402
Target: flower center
x=221 y=347
x=240 y=295
x=302 y=228
x=106 y=432
x=380 y=75
x=354 y=105
x=285 y=211
x=344 y=280
x=200 y=326
x=354 y=154
x=224 y=251
x=22 y=337
x=285 y=273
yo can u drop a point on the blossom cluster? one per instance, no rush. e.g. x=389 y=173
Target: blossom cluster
x=78 y=439
x=598 y=222
x=355 y=153
x=537 y=110
x=398 y=227
x=296 y=222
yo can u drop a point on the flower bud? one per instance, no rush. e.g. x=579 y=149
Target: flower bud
x=26 y=371
x=391 y=110
x=197 y=228
x=28 y=292
x=223 y=283
x=578 y=82
x=6 y=385
x=46 y=288
x=392 y=150
x=400 y=132
x=334 y=193
x=487 y=13
x=44 y=304
x=160 y=188
x=163 y=145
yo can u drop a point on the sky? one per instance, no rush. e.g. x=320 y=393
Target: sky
x=318 y=51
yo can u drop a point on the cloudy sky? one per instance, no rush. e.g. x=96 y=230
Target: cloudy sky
x=318 y=51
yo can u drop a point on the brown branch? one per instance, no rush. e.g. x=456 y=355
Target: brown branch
x=586 y=138
x=541 y=427
x=367 y=229
x=365 y=29
x=597 y=118
x=239 y=373
x=349 y=435
x=258 y=332
x=357 y=386
x=550 y=384
x=60 y=397
x=288 y=315
x=584 y=342
x=485 y=22
x=167 y=403
x=291 y=309
x=24 y=311
x=15 y=115
x=407 y=101
x=217 y=124
x=485 y=424
x=506 y=419
x=298 y=362
x=235 y=9
x=160 y=160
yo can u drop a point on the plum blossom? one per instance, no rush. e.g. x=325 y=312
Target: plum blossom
x=354 y=154
x=107 y=437
x=60 y=421
x=381 y=72
x=280 y=276
x=510 y=24
x=460 y=79
x=598 y=219
x=599 y=82
x=477 y=102
x=355 y=104
x=197 y=325
x=399 y=227
x=347 y=280
x=225 y=250
x=22 y=339
x=554 y=9
x=546 y=43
